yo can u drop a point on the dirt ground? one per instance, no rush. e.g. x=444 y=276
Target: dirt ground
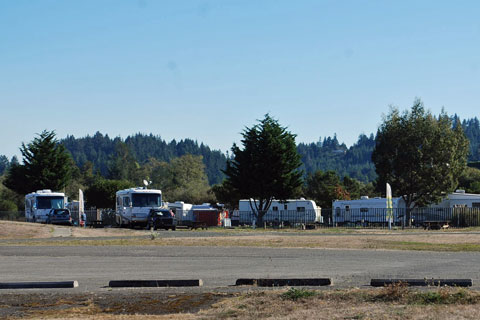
x=289 y=303
x=27 y=230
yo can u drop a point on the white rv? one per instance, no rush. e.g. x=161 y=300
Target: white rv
x=133 y=205
x=366 y=210
x=459 y=199
x=293 y=211
x=38 y=204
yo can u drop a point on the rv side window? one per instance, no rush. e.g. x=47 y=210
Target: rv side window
x=475 y=204
x=337 y=211
x=119 y=201
x=275 y=208
x=126 y=201
x=363 y=209
x=347 y=208
x=284 y=207
x=300 y=209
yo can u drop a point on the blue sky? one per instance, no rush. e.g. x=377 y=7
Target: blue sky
x=206 y=69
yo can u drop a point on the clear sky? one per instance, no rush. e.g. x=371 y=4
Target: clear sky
x=206 y=69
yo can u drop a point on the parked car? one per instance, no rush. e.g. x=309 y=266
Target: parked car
x=161 y=219
x=59 y=216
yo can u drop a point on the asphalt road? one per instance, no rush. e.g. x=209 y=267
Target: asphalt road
x=93 y=267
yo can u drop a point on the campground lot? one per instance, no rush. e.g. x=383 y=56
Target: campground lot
x=93 y=257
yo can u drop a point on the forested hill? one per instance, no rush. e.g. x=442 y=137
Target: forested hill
x=329 y=154
x=100 y=150
x=326 y=154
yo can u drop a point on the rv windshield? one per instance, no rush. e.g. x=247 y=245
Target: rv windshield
x=146 y=200
x=50 y=202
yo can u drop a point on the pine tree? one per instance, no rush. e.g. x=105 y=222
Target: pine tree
x=46 y=165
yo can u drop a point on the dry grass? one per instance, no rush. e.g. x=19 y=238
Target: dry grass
x=450 y=242
x=24 y=230
x=386 y=303
x=363 y=239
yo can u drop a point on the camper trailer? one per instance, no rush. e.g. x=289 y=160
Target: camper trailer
x=132 y=206
x=197 y=215
x=366 y=211
x=459 y=199
x=38 y=205
x=288 y=212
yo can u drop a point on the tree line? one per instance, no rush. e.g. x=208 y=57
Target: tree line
x=194 y=173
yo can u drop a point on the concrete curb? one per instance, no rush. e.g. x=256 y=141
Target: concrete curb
x=284 y=282
x=154 y=283
x=423 y=282
x=38 y=285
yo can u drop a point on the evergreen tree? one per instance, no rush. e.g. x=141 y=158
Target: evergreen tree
x=46 y=165
x=266 y=168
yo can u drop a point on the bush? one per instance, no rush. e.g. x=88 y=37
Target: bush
x=295 y=294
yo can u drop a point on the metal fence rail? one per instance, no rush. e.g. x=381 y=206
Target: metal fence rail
x=418 y=217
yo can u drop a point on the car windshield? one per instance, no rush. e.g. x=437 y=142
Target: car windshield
x=163 y=213
x=146 y=200
x=50 y=202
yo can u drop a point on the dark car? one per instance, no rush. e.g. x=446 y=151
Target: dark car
x=161 y=219
x=59 y=216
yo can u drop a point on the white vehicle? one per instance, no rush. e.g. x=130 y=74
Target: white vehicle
x=293 y=211
x=183 y=211
x=366 y=210
x=459 y=199
x=39 y=204
x=133 y=205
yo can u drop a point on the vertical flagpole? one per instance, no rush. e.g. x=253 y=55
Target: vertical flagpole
x=389 y=207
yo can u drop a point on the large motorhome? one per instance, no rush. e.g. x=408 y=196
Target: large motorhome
x=293 y=211
x=133 y=205
x=39 y=204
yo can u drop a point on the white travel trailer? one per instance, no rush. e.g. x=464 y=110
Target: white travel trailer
x=183 y=211
x=365 y=210
x=459 y=199
x=133 y=205
x=38 y=204
x=291 y=212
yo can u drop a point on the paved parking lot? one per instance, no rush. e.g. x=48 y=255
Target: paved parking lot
x=94 y=266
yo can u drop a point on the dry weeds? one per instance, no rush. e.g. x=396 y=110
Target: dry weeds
x=387 y=303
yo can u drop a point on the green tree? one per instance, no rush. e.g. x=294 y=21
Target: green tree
x=470 y=180
x=324 y=187
x=187 y=180
x=420 y=155
x=266 y=168
x=123 y=166
x=101 y=193
x=46 y=165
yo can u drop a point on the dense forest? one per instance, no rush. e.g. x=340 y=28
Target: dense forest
x=326 y=154
x=100 y=149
